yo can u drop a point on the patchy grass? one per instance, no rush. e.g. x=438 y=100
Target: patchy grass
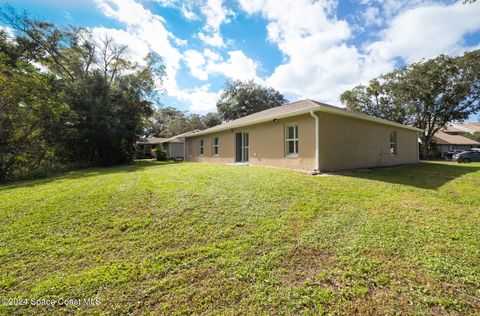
x=183 y=238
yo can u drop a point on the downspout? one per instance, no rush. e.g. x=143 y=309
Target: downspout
x=184 y=149
x=317 y=137
x=418 y=146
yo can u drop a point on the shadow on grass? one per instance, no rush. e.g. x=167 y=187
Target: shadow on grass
x=425 y=175
x=138 y=165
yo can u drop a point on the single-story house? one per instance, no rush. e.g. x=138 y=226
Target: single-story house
x=145 y=145
x=306 y=135
x=175 y=146
x=446 y=142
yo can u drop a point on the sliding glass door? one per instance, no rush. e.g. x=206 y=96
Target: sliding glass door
x=241 y=147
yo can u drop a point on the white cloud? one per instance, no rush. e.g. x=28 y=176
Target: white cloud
x=371 y=16
x=185 y=7
x=390 y=8
x=148 y=28
x=323 y=76
x=196 y=63
x=214 y=39
x=210 y=54
x=180 y=42
x=319 y=62
x=146 y=32
x=215 y=14
x=188 y=13
x=137 y=47
x=237 y=66
x=200 y=99
x=425 y=32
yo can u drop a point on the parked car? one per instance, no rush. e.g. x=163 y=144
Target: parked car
x=467 y=156
x=449 y=154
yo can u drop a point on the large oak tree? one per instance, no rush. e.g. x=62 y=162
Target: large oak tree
x=243 y=98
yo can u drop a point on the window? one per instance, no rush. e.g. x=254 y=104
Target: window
x=291 y=140
x=200 y=147
x=215 y=146
x=393 y=143
x=189 y=147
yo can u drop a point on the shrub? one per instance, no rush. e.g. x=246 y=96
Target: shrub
x=160 y=153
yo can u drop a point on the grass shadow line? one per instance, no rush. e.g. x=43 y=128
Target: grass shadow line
x=425 y=175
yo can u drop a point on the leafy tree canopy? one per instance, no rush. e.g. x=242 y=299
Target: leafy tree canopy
x=33 y=113
x=169 y=121
x=243 y=98
x=88 y=104
x=474 y=136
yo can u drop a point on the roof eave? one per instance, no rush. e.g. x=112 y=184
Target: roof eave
x=456 y=144
x=322 y=108
x=276 y=117
x=440 y=141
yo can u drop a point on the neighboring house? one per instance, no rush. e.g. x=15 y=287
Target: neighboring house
x=451 y=138
x=306 y=135
x=175 y=146
x=145 y=146
x=452 y=141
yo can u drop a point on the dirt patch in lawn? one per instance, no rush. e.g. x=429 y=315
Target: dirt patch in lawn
x=303 y=264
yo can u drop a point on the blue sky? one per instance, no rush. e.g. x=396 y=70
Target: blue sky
x=304 y=48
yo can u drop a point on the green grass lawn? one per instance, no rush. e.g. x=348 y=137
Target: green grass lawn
x=183 y=238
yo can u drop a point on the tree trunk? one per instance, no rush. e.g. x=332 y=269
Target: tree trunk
x=3 y=174
x=5 y=168
x=427 y=146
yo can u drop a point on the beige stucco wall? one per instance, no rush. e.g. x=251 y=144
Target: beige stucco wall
x=347 y=143
x=267 y=144
x=175 y=150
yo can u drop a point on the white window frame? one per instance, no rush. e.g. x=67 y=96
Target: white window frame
x=215 y=146
x=201 y=147
x=393 y=144
x=294 y=140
